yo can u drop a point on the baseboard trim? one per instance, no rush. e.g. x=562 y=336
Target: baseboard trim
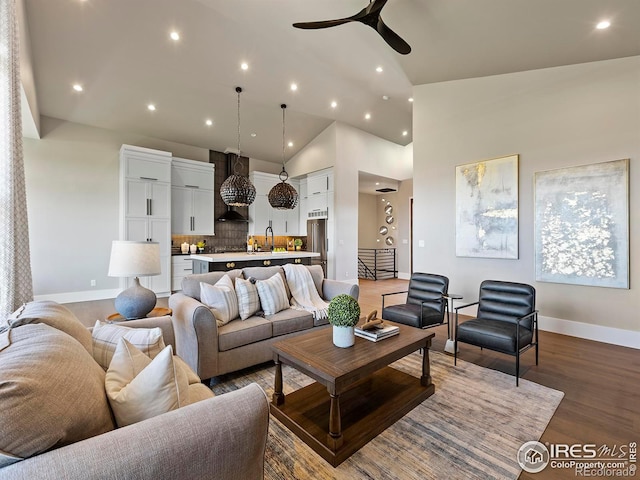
x=404 y=276
x=85 y=296
x=598 y=333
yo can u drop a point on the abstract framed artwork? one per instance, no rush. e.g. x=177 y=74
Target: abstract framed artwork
x=487 y=208
x=582 y=225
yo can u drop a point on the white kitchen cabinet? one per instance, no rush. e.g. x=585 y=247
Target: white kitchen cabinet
x=145 y=207
x=302 y=208
x=147 y=198
x=181 y=266
x=192 y=197
x=319 y=193
x=317 y=184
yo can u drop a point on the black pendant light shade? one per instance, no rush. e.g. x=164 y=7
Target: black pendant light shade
x=237 y=190
x=283 y=196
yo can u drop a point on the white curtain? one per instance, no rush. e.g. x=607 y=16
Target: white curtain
x=15 y=264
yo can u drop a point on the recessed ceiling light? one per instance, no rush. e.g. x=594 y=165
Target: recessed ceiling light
x=377 y=183
x=294 y=87
x=290 y=144
x=175 y=36
x=405 y=133
x=151 y=107
x=334 y=104
x=379 y=69
x=367 y=116
x=254 y=135
x=411 y=99
x=603 y=24
x=244 y=66
x=77 y=87
x=208 y=122
x=385 y=97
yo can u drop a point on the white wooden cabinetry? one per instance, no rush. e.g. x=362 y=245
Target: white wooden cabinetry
x=181 y=266
x=283 y=222
x=145 y=207
x=192 y=197
x=302 y=214
x=319 y=194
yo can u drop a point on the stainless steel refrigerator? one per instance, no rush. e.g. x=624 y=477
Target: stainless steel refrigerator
x=317 y=241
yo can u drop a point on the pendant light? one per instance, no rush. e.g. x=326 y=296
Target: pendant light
x=237 y=190
x=283 y=196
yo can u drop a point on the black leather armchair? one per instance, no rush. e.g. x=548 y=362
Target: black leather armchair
x=425 y=305
x=506 y=322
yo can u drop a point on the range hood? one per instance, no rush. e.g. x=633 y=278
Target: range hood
x=231 y=215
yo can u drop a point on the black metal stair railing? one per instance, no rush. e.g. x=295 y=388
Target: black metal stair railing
x=377 y=263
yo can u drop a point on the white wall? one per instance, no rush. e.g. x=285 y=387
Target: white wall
x=72 y=199
x=553 y=118
x=402 y=234
x=319 y=153
x=256 y=165
x=367 y=228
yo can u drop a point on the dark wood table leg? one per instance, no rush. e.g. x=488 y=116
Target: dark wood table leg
x=278 y=396
x=334 y=439
x=425 y=379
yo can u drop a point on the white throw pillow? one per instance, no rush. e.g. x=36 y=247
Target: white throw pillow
x=273 y=296
x=221 y=299
x=139 y=388
x=106 y=337
x=248 y=299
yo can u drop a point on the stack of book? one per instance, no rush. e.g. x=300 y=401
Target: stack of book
x=376 y=334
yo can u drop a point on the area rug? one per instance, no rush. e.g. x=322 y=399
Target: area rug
x=470 y=428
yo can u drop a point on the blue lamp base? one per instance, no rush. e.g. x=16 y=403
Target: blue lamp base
x=135 y=302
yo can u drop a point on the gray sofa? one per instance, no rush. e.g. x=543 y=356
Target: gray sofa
x=211 y=350
x=222 y=437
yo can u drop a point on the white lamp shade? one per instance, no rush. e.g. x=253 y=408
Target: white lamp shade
x=134 y=259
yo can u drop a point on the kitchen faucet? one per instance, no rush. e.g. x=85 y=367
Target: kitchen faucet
x=266 y=235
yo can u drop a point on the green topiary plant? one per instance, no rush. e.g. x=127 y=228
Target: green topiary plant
x=344 y=311
x=297 y=242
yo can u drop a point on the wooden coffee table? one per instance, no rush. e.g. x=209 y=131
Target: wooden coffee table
x=365 y=395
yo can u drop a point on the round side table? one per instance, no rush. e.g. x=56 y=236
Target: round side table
x=156 y=312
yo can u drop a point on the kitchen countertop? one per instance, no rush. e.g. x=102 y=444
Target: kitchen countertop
x=243 y=256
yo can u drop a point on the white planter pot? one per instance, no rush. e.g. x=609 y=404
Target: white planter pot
x=343 y=337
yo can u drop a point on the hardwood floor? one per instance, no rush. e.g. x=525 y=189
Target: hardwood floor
x=601 y=382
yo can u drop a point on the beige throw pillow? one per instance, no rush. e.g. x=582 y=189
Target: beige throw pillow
x=139 y=388
x=51 y=393
x=106 y=337
x=221 y=300
x=273 y=296
x=56 y=316
x=248 y=299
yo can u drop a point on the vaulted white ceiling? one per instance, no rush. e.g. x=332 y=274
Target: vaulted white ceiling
x=121 y=53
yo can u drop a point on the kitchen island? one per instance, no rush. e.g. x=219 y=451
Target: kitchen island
x=217 y=262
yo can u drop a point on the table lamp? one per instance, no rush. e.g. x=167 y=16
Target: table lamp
x=134 y=259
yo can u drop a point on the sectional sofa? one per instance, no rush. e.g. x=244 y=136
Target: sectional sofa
x=56 y=422
x=211 y=350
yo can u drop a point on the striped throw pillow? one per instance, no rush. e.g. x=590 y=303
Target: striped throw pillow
x=221 y=300
x=248 y=299
x=105 y=337
x=273 y=296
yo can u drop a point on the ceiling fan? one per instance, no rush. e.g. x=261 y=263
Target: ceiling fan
x=370 y=15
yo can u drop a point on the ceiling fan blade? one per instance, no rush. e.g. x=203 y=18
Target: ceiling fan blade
x=322 y=24
x=393 y=39
x=376 y=6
